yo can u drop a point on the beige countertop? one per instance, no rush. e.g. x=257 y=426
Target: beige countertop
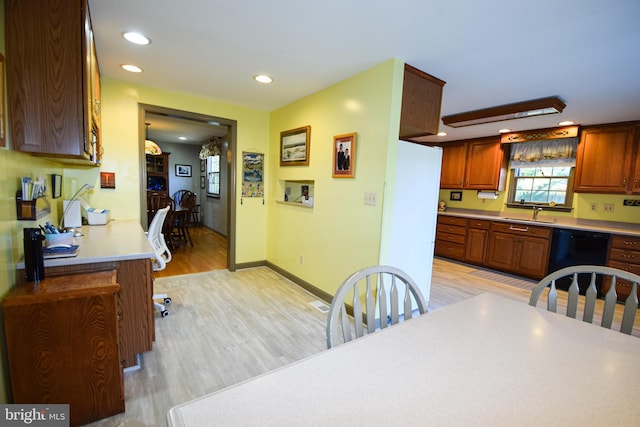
x=548 y=220
x=118 y=240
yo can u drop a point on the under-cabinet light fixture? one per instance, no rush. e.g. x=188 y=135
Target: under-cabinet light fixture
x=518 y=110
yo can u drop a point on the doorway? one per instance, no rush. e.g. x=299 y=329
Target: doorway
x=229 y=195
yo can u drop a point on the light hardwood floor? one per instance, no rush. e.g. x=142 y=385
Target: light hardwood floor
x=225 y=327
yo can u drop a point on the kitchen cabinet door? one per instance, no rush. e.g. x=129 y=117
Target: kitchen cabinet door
x=501 y=251
x=477 y=237
x=604 y=162
x=421 y=100
x=486 y=165
x=52 y=79
x=454 y=157
x=532 y=257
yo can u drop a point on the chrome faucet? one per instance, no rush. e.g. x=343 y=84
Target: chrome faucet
x=535 y=213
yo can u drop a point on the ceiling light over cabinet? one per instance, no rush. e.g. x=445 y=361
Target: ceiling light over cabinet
x=518 y=110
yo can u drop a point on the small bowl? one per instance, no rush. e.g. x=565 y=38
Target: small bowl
x=59 y=240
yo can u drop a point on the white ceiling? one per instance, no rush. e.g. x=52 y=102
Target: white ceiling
x=489 y=52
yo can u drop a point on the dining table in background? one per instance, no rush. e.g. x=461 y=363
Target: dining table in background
x=485 y=361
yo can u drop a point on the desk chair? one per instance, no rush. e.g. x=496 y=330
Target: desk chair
x=589 y=302
x=380 y=285
x=162 y=254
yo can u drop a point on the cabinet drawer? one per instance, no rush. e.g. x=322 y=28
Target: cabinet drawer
x=623 y=255
x=529 y=230
x=452 y=229
x=449 y=249
x=631 y=268
x=448 y=237
x=479 y=224
x=625 y=242
x=452 y=220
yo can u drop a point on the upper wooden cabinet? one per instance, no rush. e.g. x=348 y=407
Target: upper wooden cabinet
x=607 y=160
x=421 y=99
x=475 y=164
x=53 y=85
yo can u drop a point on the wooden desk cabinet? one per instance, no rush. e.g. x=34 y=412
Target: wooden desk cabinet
x=62 y=344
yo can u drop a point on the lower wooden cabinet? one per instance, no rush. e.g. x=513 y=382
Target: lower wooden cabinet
x=451 y=236
x=477 y=236
x=519 y=249
x=624 y=254
x=62 y=344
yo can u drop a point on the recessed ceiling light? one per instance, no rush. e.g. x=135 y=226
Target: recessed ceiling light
x=131 y=68
x=262 y=78
x=442 y=134
x=566 y=123
x=504 y=130
x=136 y=38
x=182 y=138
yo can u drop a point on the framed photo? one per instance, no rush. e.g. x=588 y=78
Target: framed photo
x=344 y=156
x=183 y=170
x=56 y=185
x=294 y=146
x=203 y=163
x=455 y=195
x=107 y=180
x=202 y=182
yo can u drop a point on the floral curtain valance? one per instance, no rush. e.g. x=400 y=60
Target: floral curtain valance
x=210 y=148
x=555 y=152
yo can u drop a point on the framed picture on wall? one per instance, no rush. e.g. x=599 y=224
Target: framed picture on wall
x=183 y=170
x=294 y=146
x=344 y=155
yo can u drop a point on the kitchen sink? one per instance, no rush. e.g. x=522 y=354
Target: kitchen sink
x=546 y=221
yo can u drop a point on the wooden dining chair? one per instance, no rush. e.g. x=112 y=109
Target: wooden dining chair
x=589 y=303
x=380 y=286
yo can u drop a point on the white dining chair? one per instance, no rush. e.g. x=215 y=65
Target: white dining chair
x=162 y=254
x=589 y=303
x=381 y=286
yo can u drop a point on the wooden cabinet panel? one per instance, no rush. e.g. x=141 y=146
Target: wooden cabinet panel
x=450 y=236
x=486 y=165
x=421 y=100
x=476 y=245
x=48 y=60
x=624 y=254
x=449 y=250
x=519 y=249
x=501 y=251
x=62 y=344
x=605 y=160
x=454 y=157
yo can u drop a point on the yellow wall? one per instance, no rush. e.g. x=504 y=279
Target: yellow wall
x=122 y=155
x=581 y=206
x=340 y=234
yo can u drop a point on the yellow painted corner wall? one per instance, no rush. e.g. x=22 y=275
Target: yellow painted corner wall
x=324 y=245
x=581 y=206
x=120 y=127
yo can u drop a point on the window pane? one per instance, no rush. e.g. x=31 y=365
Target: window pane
x=559 y=184
x=524 y=184
x=557 y=196
x=525 y=172
x=539 y=197
x=522 y=195
x=564 y=171
x=540 y=184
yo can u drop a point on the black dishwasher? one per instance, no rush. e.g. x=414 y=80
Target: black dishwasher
x=578 y=247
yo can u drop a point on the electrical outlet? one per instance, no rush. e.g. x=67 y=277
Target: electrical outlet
x=608 y=207
x=593 y=207
x=370 y=198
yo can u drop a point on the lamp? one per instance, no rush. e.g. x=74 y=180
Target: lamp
x=518 y=110
x=71 y=203
x=151 y=147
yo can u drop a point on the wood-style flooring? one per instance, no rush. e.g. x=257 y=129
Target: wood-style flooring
x=225 y=327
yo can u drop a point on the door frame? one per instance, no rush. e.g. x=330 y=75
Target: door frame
x=143 y=109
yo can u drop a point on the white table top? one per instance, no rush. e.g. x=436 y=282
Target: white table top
x=118 y=240
x=485 y=361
